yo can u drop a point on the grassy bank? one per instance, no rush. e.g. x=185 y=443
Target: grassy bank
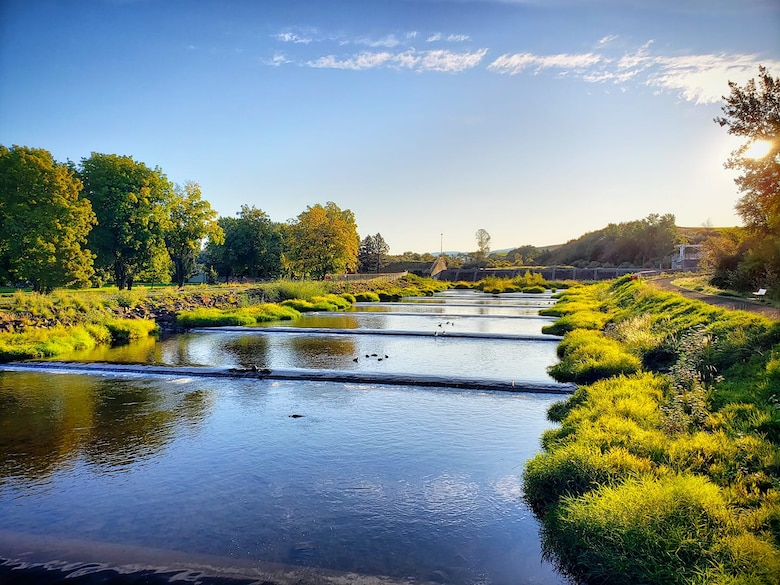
x=34 y=325
x=666 y=465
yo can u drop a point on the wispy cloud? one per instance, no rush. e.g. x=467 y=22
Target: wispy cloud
x=389 y=42
x=603 y=41
x=697 y=78
x=700 y=79
x=439 y=60
x=514 y=64
x=292 y=37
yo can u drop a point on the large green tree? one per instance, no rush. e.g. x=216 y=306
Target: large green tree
x=131 y=202
x=372 y=254
x=190 y=221
x=43 y=221
x=251 y=246
x=322 y=240
x=752 y=112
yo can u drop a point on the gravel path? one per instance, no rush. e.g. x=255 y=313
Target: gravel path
x=733 y=303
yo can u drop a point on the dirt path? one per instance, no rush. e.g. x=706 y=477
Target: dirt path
x=733 y=303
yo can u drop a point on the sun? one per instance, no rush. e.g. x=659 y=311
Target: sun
x=758 y=149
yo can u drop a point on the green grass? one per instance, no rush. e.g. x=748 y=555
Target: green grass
x=670 y=476
x=60 y=340
x=213 y=317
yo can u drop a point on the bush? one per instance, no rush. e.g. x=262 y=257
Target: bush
x=576 y=469
x=45 y=343
x=125 y=330
x=283 y=290
x=366 y=297
x=589 y=357
x=242 y=317
x=618 y=533
x=579 y=320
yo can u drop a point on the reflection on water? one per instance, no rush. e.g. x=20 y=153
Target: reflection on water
x=417 y=484
x=412 y=483
x=504 y=360
x=48 y=422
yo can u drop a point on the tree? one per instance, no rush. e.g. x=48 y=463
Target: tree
x=753 y=112
x=372 y=254
x=190 y=221
x=323 y=240
x=483 y=245
x=251 y=246
x=131 y=202
x=43 y=221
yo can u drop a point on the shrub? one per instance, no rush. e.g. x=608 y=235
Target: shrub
x=366 y=297
x=41 y=343
x=211 y=317
x=618 y=533
x=576 y=469
x=125 y=330
x=533 y=289
x=579 y=320
x=592 y=358
x=283 y=290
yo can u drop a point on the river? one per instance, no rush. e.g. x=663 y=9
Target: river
x=258 y=479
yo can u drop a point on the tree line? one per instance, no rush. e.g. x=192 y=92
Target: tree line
x=111 y=218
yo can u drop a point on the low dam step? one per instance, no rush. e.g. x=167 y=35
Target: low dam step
x=460 y=382
x=438 y=332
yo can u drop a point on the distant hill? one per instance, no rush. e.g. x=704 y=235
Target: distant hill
x=643 y=243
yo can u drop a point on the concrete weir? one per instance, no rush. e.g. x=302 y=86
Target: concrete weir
x=100 y=368
x=365 y=331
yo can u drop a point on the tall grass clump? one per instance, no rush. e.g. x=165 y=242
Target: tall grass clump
x=126 y=330
x=60 y=340
x=246 y=316
x=283 y=290
x=587 y=356
x=671 y=476
x=329 y=302
x=681 y=519
x=366 y=297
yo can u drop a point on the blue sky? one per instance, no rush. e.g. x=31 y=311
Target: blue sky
x=534 y=120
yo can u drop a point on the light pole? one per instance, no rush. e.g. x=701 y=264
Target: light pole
x=441 y=245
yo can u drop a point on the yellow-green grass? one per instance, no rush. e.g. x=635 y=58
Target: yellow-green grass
x=59 y=340
x=252 y=315
x=667 y=477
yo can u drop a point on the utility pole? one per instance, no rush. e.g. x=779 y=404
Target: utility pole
x=441 y=247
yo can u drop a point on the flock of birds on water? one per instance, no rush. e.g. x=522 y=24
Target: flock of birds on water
x=441 y=330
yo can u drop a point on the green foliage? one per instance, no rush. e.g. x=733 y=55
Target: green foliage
x=681 y=519
x=126 y=330
x=641 y=243
x=130 y=201
x=372 y=254
x=282 y=290
x=366 y=297
x=528 y=282
x=580 y=320
x=252 y=315
x=190 y=221
x=329 y=302
x=251 y=246
x=587 y=358
x=59 y=340
x=664 y=478
x=43 y=221
x=323 y=240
